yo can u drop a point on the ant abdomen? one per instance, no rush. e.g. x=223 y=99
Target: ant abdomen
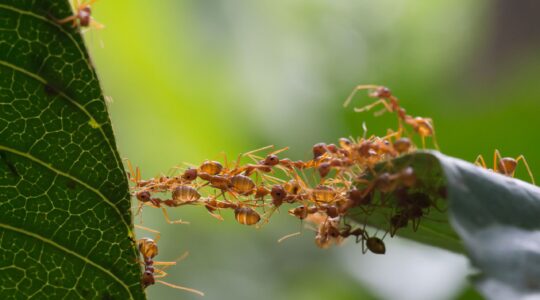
x=211 y=167
x=246 y=215
x=243 y=185
x=375 y=245
x=184 y=194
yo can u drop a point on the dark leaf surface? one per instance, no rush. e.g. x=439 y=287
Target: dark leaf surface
x=494 y=219
x=65 y=222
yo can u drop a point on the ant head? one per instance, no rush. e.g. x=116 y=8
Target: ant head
x=345 y=143
x=381 y=92
x=278 y=193
x=384 y=182
x=143 y=196
x=332 y=211
x=84 y=15
x=148 y=278
x=408 y=178
x=324 y=169
x=332 y=148
x=190 y=174
x=271 y=160
x=300 y=212
x=402 y=145
x=507 y=165
x=318 y=150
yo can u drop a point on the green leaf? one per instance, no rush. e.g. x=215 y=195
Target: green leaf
x=65 y=220
x=492 y=218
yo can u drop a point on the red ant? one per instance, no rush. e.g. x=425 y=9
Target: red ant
x=149 y=249
x=422 y=126
x=504 y=165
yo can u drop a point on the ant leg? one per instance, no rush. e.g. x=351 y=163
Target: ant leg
x=433 y=136
x=364 y=248
x=139 y=209
x=130 y=172
x=356 y=89
x=158 y=234
x=479 y=161
x=289 y=236
x=496 y=159
x=225 y=161
x=384 y=235
x=392 y=134
x=166 y=215
x=67 y=19
x=435 y=143
x=279 y=151
x=251 y=153
x=267 y=218
x=522 y=158
x=161 y=272
x=168 y=264
x=216 y=216
x=415 y=224
x=370 y=106
x=90 y=2
x=181 y=288
x=266 y=177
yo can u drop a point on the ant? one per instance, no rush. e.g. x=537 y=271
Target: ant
x=327 y=232
x=387 y=182
x=246 y=215
x=243 y=213
x=148 y=249
x=264 y=165
x=181 y=195
x=422 y=126
x=82 y=16
x=371 y=243
x=504 y=165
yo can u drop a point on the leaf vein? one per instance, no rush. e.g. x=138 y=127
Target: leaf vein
x=75 y=254
x=96 y=191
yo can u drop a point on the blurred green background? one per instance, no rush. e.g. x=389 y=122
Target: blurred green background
x=190 y=79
